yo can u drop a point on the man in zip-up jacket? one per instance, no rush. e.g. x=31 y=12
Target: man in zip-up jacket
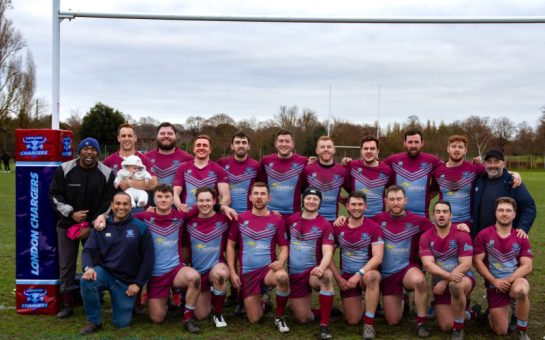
x=120 y=259
x=81 y=190
x=497 y=182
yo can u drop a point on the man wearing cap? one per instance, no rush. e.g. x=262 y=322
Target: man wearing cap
x=497 y=182
x=80 y=191
x=310 y=253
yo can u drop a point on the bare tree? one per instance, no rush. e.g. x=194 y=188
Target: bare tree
x=287 y=116
x=17 y=72
x=503 y=129
x=479 y=131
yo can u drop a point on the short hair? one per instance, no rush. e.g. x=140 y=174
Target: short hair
x=413 y=132
x=325 y=138
x=370 y=139
x=210 y=190
x=457 y=138
x=508 y=200
x=394 y=188
x=121 y=193
x=240 y=134
x=164 y=188
x=166 y=124
x=126 y=125
x=282 y=132
x=357 y=194
x=207 y=137
x=260 y=185
x=445 y=202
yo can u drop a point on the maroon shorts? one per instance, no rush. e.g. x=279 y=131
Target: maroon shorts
x=352 y=291
x=159 y=286
x=445 y=298
x=393 y=284
x=253 y=282
x=496 y=298
x=299 y=284
x=205 y=282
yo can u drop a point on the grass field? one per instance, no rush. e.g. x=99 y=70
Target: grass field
x=13 y=326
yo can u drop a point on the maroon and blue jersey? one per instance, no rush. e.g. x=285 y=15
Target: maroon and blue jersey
x=284 y=177
x=356 y=244
x=370 y=180
x=446 y=251
x=206 y=239
x=401 y=235
x=166 y=165
x=241 y=176
x=165 y=231
x=190 y=178
x=414 y=175
x=456 y=186
x=306 y=238
x=329 y=181
x=502 y=253
x=257 y=238
x=114 y=161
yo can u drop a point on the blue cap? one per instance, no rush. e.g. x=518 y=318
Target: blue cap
x=89 y=141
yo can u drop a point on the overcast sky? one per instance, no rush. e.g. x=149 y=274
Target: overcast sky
x=171 y=70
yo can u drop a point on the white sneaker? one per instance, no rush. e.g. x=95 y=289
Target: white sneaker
x=281 y=324
x=219 y=321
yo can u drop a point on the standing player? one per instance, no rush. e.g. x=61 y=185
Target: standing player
x=399 y=269
x=361 y=253
x=413 y=171
x=257 y=233
x=504 y=259
x=282 y=172
x=326 y=176
x=241 y=172
x=126 y=136
x=167 y=158
x=370 y=176
x=446 y=254
x=202 y=172
x=311 y=250
x=204 y=240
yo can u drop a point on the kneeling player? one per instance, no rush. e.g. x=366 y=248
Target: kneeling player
x=361 y=252
x=204 y=241
x=504 y=259
x=257 y=233
x=446 y=254
x=311 y=250
x=401 y=230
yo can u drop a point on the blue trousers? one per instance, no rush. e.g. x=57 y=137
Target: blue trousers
x=122 y=304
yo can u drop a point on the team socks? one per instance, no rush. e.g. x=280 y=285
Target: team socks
x=420 y=319
x=188 y=312
x=458 y=324
x=326 y=303
x=281 y=302
x=522 y=325
x=368 y=318
x=218 y=298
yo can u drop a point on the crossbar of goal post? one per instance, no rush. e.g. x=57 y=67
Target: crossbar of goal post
x=59 y=15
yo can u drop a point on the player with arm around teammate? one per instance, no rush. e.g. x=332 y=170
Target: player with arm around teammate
x=257 y=233
x=204 y=241
x=446 y=254
x=504 y=259
x=361 y=247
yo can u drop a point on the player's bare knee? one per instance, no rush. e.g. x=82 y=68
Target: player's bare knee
x=352 y=321
x=157 y=318
x=373 y=278
x=420 y=283
x=455 y=289
x=200 y=315
x=327 y=278
x=254 y=318
x=282 y=278
x=521 y=294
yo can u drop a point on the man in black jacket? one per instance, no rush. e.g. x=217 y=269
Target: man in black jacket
x=120 y=259
x=81 y=190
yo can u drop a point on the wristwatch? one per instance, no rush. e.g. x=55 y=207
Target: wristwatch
x=361 y=272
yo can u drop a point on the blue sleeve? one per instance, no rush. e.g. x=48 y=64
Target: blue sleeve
x=148 y=257
x=89 y=250
x=526 y=211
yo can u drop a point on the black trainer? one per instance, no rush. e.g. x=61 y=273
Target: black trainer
x=324 y=332
x=191 y=326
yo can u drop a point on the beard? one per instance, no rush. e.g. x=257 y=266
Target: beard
x=166 y=146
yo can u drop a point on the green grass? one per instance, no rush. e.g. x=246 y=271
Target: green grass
x=14 y=326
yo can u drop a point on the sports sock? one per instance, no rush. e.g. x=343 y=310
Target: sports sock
x=281 y=302
x=326 y=303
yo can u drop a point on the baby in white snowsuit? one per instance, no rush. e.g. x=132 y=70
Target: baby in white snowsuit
x=134 y=169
